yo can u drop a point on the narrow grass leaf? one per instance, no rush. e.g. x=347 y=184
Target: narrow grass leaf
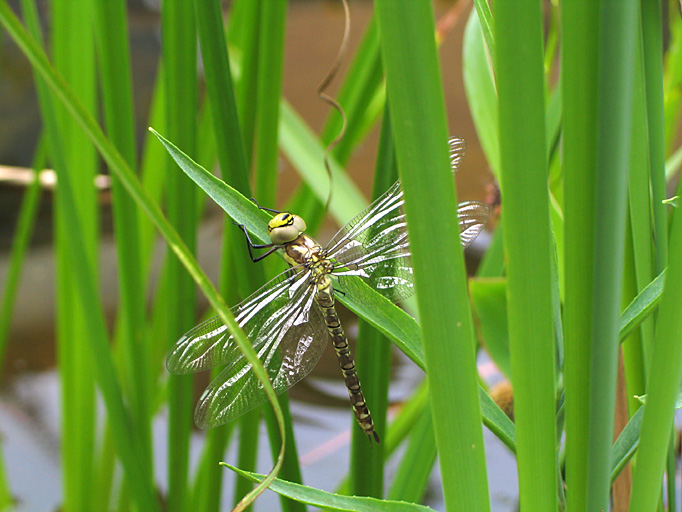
x=626 y=444
x=329 y=501
x=270 y=64
x=652 y=41
x=179 y=54
x=487 y=25
x=479 y=85
x=642 y=306
x=244 y=38
x=71 y=28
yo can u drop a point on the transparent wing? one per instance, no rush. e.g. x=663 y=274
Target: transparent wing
x=237 y=390
x=210 y=344
x=457 y=148
x=374 y=245
x=287 y=331
x=472 y=217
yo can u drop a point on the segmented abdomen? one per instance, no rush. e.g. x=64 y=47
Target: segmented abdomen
x=325 y=299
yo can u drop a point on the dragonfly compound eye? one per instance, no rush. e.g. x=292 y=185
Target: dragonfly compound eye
x=285 y=227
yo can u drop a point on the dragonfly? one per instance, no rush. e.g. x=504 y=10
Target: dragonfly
x=290 y=319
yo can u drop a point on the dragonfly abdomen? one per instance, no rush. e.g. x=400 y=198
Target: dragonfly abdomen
x=325 y=299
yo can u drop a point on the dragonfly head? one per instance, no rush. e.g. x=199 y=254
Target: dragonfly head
x=285 y=227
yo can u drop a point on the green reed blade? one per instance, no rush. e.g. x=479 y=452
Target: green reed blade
x=617 y=39
x=665 y=373
x=528 y=246
x=487 y=25
x=71 y=29
x=116 y=84
x=579 y=29
x=626 y=444
x=652 y=40
x=244 y=38
x=179 y=61
x=418 y=120
x=270 y=65
x=642 y=306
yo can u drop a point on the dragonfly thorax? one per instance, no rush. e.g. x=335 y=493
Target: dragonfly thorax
x=285 y=227
x=304 y=250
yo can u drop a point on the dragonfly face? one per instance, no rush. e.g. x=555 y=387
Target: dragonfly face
x=290 y=318
x=285 y=227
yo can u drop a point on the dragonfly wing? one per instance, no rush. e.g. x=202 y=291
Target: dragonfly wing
x=457 y=148
x=290 y=348
x=374 y=246
x=472 y=217
x=210 y=344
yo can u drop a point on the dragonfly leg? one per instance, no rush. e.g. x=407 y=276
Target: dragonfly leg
x=263 y=207
x=250 y=245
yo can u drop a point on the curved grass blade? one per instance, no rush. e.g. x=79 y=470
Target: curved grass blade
x=641 y=306
x=119 y=166
x=487 y=25
x=330 y=501
x=626 y=444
